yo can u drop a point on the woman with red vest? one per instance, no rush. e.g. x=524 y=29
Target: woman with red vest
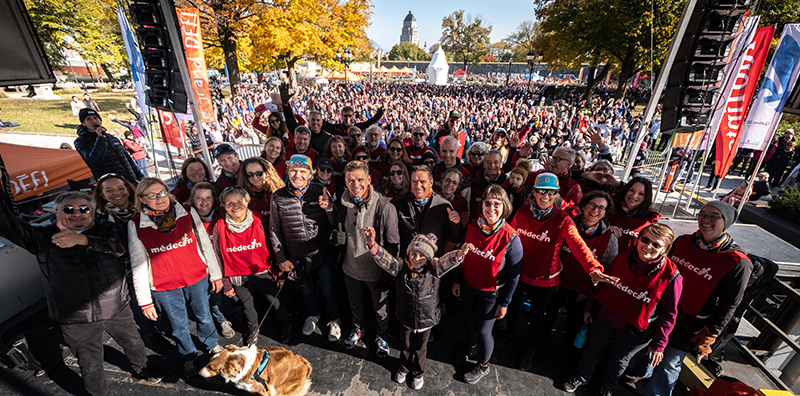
x=487 y=277
x=632 y=211
x=543 y=228
x=715 y=275
x=241 y=245
x=260 y=180
x=576 y=285
x=194 y=170
x=637 y=312
x=173 y=264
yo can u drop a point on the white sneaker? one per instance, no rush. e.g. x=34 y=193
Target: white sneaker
x=334 y=331
x=310 y=325
x=400 y=377
x=417 y=383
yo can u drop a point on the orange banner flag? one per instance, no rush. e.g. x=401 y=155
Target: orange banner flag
x=189 y=19
x=36 y=170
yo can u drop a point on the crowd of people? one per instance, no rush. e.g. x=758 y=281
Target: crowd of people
x=467 y=198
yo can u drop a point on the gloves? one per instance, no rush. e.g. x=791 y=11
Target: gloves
x=703 y=340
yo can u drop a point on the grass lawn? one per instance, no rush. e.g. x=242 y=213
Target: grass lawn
x=55 y=116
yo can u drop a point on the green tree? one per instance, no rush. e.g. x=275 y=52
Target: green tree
x=523 y=39
x=408 y=51
x=465 y=37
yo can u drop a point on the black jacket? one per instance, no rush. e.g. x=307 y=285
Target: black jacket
x=417 y=300
x=431 y=219
x=299 y=227
x=106 y=155
x=82 y=284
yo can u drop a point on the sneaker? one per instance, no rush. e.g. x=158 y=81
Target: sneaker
x=190 y=368
x=572 y=384
x=417 y=383
x=215 y=350
x=158 y=341
x=400 y=377
x=527 y=360
x=286 y=334
x=310 y=325
x=227 y=329
x=605 y=392
x=252 y=338
x=334 y=331
x=353 y=338
x=151 y=374
x=475 y=375
x=383 y=346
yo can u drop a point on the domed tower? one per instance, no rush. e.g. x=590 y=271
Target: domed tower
x=409 y=33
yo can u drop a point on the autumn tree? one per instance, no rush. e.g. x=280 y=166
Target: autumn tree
x=466 y=37
x=522 y=40
x=408 y=51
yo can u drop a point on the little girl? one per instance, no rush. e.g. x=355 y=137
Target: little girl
x=735 y=196
x=417 y=287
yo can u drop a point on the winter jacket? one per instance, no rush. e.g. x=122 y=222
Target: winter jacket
x=82 y=284
x=430 y=219
x=106 y=154
x=299 y=227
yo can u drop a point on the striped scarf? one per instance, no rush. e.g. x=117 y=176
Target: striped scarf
x=698 y=240
x=487 y=228
x=540 y=214
x=296 y=192
x=589 y=230
x=360 y=201
x=424 y=201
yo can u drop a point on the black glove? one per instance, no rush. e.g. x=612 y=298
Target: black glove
x=285 y=95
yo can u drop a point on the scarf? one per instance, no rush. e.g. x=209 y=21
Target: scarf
x=541 y=214
x=486 y=228
x=488 y=179
x=415 y=272
x=207 y=218
x=451 y=197
x=424 y=201
x=228 y=174
x=392 y=189
x=165 y=221
x=360 y=201
x=326 y=183
x=589 y=230
x=122 y=214
x=628 y=213
x=698 y=240
x=239 y=227
x=296 y=192
x=340 y=160
x=190 y=184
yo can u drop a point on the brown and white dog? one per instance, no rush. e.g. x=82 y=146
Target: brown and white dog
x=285 y=374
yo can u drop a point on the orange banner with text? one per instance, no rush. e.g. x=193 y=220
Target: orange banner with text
x=36 y=170
x=189 y=19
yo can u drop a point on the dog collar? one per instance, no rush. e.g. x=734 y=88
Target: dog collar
x=262 y=366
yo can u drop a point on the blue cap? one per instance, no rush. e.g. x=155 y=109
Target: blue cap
x=299 y=161
x=546 y=181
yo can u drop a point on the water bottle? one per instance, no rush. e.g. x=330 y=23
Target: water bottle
x=580 y=338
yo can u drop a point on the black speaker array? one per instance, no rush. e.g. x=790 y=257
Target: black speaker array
x=163 y=78
x=695 y=80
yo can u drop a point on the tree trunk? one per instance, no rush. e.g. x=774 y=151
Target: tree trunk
x=592 y=82
x=291 y=74
x=231 y=58
x=108 y=73
x=628 y=70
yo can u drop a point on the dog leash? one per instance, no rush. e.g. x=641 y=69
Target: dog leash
x=270 y=308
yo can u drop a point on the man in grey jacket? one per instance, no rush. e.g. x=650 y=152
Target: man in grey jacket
x=361 y=207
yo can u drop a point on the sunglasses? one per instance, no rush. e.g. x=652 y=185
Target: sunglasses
x=648 y=241
x=396 y=149
x=325 y=170
x=274 y=121
x=362 y=157
x=477 y=153
x=152 y=196
x=418 y=134
x=107 y=175
x=396 y=173
x=71 y=209
x=545 y=192
x=259 y=174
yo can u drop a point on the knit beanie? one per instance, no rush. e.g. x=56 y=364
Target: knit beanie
x=728 y=212
x=425 y=244
x=522 y=171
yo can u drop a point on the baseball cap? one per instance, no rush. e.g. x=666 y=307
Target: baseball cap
x=454 y=114
x=223 y=149
x=546 y=181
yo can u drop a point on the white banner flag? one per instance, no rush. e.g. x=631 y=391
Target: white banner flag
x=775 y=89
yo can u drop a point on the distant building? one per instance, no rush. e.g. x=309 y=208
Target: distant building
x=409 y=33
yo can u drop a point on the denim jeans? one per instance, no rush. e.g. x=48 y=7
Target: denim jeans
x=142 y=165
x=322 y=271
x=214 y=302
x=176 y=306
x=665 y=375
x=625 y=347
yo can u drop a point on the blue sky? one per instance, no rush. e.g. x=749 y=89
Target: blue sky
x=387 y=18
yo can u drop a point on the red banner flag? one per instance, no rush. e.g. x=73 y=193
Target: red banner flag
x=171 y=129
x=189 y=19
x=744 y=86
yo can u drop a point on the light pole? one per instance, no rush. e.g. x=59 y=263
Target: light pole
x=531 y=58
x=345 y=57
x=508 y=76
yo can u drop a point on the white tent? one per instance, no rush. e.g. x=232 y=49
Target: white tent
x=438 y=69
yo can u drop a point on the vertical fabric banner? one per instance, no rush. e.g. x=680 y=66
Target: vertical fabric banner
x=775 y=89
x=744 y=86
x=171 y=128
x=192 y=37
x=134 y=59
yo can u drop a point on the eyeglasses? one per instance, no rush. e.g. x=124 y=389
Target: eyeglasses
x=477 y=153
x=274 y=121
x=71 y=209
x=361 y=157
x=489 y=204
x=395 y=173
x=153 y=196
x=418 y=134
x=559 y=159
x=259 y=174
x=355 y=135
x=648 y=241
x=710 y=217
x=545 y=192
x=325 y=170
x=594 y=207
x=396 y=149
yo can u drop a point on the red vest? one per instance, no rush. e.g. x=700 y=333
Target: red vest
x=462 y=140
x=174 y=259
x=482 y=263
x=243 y=253
x=701 y=271
x=629 y=226
x=474 y=171
x=415 y=153
x=376 y=158
x=634 y=298
x=574 y=276
x=540 y=244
